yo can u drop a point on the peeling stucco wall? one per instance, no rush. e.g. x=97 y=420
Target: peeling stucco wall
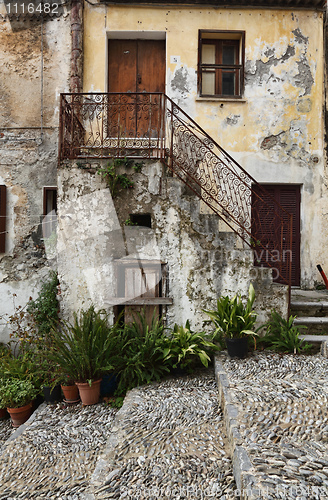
x=276 y=131
x=28 y=155
x=201 y=261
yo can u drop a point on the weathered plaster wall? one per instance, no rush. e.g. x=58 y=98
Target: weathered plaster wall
x=202 y=262
x=276 y=131
x=28 y=158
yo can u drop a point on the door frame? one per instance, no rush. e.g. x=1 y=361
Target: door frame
x=133 y=35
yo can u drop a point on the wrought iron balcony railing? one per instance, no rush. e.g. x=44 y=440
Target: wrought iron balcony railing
x=151 y=125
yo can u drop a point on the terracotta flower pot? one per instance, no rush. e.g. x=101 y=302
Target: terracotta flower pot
x=89 y=394
x=71 y=393
x=20 y=415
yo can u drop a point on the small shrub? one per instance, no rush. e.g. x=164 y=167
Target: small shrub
x=232 y=318
x=83 y=349
x=116 y=181
x=184 y=348
x=283 y=335
x=15 y=393
x=139 y=357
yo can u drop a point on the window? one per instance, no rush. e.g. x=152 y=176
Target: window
x=221 y=57
x=144 y=286
x=49 y=210
x=143 y=220
x=2 y=219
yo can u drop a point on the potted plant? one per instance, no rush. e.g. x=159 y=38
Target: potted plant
x=234 y=322
x=184 y=348
x=48 y=378
x=83 y=350
x=70 y=390
x=17 y=395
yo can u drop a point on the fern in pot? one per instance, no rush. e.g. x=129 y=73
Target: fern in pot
x=83 y=350
x=234 y=321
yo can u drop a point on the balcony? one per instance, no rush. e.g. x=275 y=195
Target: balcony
x=112 y=125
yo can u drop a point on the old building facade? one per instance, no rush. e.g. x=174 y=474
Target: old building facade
x=211 y=101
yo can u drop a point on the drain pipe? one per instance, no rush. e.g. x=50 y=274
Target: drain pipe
x=323 y=275
x=77 y=46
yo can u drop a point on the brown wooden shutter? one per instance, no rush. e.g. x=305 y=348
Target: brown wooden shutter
x=263 y=219
x=2 y=219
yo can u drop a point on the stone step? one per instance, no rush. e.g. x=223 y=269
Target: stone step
x=314 y=338
x=314 y=325
x=307 y=308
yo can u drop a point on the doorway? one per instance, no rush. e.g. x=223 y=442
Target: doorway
x=289 y=198
x=135 y=66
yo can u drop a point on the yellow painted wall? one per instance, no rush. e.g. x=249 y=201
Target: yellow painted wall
x=268 y=31
x=277 y=131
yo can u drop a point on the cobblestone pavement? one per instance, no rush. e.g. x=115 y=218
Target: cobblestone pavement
x=282 y=420
x=167 y=442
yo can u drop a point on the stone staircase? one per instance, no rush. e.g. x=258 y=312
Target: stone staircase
x=311 y=309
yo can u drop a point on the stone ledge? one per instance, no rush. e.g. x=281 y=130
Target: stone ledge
x=246 y=482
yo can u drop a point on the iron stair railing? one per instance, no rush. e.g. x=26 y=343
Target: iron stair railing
x=151 y=125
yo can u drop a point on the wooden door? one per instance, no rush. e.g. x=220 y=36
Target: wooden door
x=264 y=222
x=135 y=66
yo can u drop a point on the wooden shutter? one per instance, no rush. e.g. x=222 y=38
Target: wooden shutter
x=263 y=223
x=2 y=219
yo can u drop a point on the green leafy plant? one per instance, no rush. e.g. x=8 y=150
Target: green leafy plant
x=83 y=349
x=128 y=222
x=22 y=367
x=283 y=335
x=115 y=401
x=184 y=348
x=232 y=318
x=114 y=180
x=44 y=309
x=139 y=355
x=137 y=167
x=15 y=393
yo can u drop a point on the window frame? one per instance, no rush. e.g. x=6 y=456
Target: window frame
x=3 y=218
x=49 y=225
x=217 y=38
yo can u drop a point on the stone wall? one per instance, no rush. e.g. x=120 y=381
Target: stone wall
x=201 y=261
x=34 y=68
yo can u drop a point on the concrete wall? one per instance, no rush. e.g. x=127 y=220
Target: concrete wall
x=276 y=131
x=28 y=155
x=201 y=261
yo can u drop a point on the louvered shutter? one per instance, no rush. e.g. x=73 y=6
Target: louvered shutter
x=2 y=219
x=266 y=228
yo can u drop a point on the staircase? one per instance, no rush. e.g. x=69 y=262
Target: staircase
x=311 y=309
x=151 y=125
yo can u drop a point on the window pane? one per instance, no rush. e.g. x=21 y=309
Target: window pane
x=208 y=83
x=228 y=54
x=208 y=54
x=228 y=82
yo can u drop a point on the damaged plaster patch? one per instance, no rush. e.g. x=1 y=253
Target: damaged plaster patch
x=273 y=140
x=232 y=119
x=304 y=77
x=180 y=81
x=299 y=37
x=262 y=69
